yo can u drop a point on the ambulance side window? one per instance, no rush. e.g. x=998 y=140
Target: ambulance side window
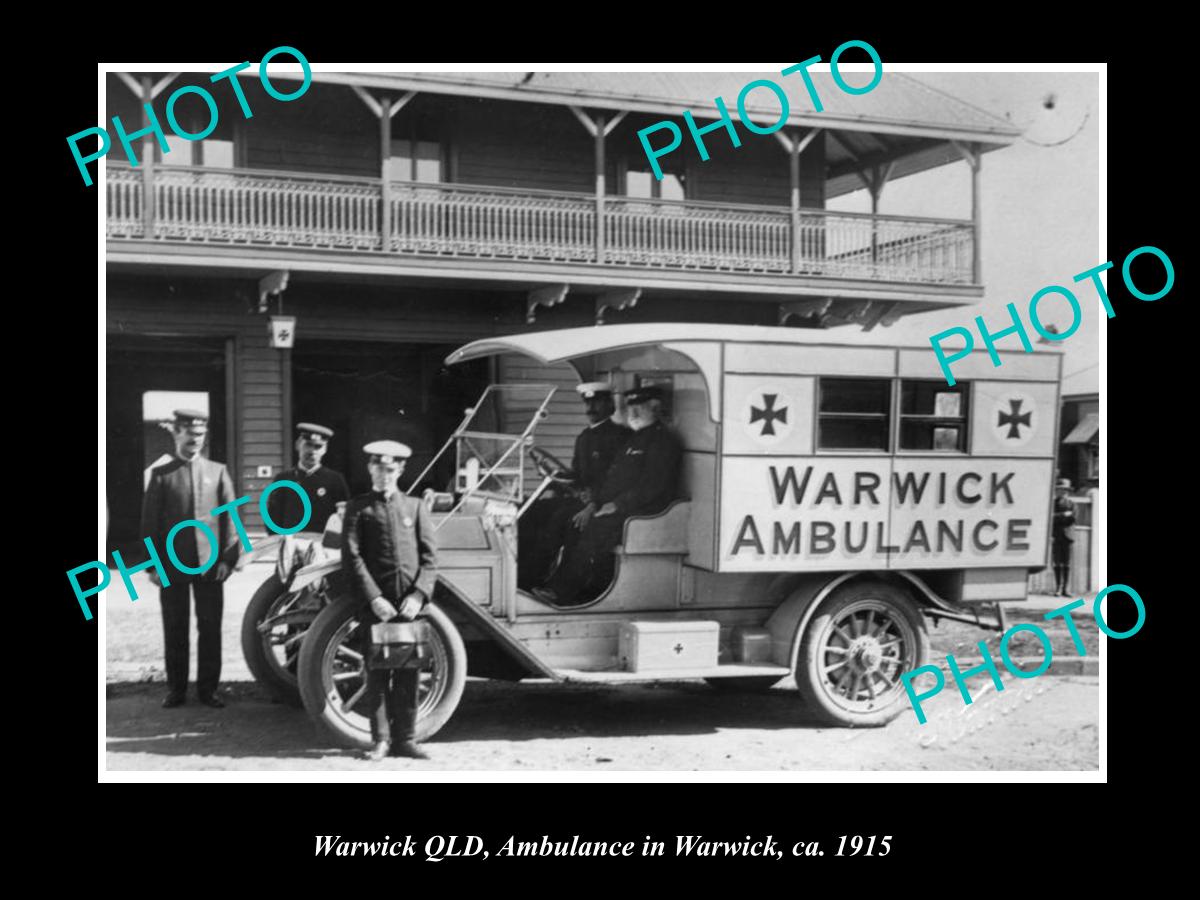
x=933 y=416
x=854 y=414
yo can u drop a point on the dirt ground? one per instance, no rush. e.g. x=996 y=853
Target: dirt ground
x=670 y=726
x=1045 y=723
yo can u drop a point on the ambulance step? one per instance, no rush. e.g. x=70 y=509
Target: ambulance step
x=615 y=676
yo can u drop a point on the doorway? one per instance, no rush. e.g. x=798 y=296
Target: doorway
x=147 y=378
x=368 y=391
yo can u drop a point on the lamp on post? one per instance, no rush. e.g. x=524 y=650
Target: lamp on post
x=280 y=328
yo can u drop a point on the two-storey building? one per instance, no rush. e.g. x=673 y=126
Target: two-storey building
x=396 y=216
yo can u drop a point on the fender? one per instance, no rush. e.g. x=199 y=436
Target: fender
x=451 y=600
x=791 y=617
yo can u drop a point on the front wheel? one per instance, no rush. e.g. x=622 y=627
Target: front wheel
x=853 y=652
x=332 y=673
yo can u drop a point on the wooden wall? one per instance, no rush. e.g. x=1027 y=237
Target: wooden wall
x=521 y=145
x=566 y=418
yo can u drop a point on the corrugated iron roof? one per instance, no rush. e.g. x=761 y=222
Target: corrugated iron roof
x=899 y=104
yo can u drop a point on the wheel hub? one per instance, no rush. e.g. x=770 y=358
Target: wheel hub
x=865 y=654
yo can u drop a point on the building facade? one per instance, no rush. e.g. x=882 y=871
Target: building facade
x=394 y=217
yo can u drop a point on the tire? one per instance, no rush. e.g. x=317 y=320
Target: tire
x=323 y=654
x=865 y=690
x=267 y=659
x=756 y=684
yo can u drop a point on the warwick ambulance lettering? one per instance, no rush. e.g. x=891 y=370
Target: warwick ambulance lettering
x=878 y=513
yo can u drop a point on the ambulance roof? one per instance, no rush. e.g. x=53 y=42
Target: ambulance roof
x=569 y=343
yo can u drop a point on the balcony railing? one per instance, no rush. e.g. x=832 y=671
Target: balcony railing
x=260 y=208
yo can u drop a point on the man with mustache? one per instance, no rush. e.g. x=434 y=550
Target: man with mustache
x=325 y=487
x=190 y=487
x=546 y=525
x=643 y=480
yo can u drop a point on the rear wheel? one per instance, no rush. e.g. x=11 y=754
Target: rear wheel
x=862 y=638
x=332 y=670
x=272 y=655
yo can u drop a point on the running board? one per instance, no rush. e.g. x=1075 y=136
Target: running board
x=733 y=670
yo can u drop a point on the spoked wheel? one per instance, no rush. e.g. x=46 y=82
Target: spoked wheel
x=274 y=652
x=332 y=673
x=854 y=651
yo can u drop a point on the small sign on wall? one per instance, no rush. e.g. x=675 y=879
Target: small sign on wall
x=283 y=332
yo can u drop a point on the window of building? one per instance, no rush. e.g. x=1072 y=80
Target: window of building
x=641 y=182
x=1092 y=455
x=216 y=154
x=854 y=413
x=933 y=416
x=179 y=154
x=414 y=160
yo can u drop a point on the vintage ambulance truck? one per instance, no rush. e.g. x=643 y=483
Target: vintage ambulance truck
x=834 y=496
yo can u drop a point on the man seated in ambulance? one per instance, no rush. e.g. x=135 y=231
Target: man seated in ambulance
x=643 y=480
x=548 y=522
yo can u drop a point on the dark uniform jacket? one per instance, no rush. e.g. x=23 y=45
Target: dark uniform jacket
x=1064 y=518
x=180 y=490
x=388 y=547
x=644 y=477
x=325 y=488
x=595 y=449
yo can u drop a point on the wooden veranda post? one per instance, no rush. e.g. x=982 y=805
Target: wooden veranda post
x=599 y=130
x=973 y=154
x=384 y=109
x=795 y=145
x=147 y=96
x=794 y=175
x=146 y=89
x=385 y=187
x=976 y=216
x=600 y=187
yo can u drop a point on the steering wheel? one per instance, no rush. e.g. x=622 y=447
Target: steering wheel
x=549 y=465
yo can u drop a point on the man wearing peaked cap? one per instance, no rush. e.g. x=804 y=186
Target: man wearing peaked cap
x=547 y=525
x=325 y=487
x=190 y=487
x=1060 y=536
x=642 y=480
x=389 y=554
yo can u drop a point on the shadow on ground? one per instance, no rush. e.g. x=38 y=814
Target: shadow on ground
x=252 y=725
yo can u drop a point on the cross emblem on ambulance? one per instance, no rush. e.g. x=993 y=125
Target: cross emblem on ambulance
x=768 y=414
x=1014 y=418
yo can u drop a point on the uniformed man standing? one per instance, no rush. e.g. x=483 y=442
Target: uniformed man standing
x=544 y=527
x=1060 y=537
x=191 y=487
x=390 y=557
x=325 y=487
x=643 y=480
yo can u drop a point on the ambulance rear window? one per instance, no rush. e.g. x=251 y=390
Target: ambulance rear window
x=933 y=416
x=854 y=414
